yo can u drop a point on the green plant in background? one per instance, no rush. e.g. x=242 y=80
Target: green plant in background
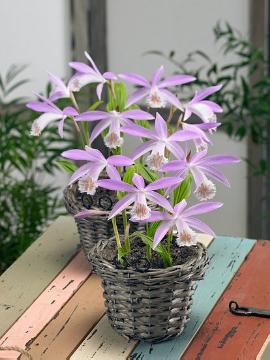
x=246 y=103
x=27 y=204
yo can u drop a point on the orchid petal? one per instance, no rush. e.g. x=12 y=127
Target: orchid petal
x=161 y=231
x=156 y=216
x=213 y=106
x=99 y=90
x=102 y=125
x=200 y=225
x=108 y=75
x=171 y=98
x=122 y=204
x=116 y=185
x=119 y=160
x=88 y=213
x=44 y=120
x=61 y=127
x=175 y=149
x=215 y=174
x=159 y=199
x=92 y=62
x=81 y=171
x=198 y=175
x=176 y=80
x=138 y=181
x=157 y=75
x=179 y=208
x=221 y=159
x=136 y=130
x=142 y=149
x=41 y=107
x=80 y=67
x=202 y=94
x=92 y=116
x=70 y=111
x=76 y=154
x=135 y=79
x=161 y=126
x=163 y=183
x=201 y=208
x=174 y=165
x=197 y=158
x=113 y=173
x=137 y=115
x=136 y=96
x=184 y=135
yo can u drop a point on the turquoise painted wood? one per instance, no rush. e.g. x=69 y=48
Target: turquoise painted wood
x=226 y=255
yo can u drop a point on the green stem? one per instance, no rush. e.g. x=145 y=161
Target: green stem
x=169 y=241
x=126 y=230
x=116 y=233
x=148 y=252
x=180 y=120
x=83 y=131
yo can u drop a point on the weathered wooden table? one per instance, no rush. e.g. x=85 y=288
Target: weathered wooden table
x=52 y=306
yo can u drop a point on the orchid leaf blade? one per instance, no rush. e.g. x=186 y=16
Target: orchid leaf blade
x=183 y=191
x=67 y=165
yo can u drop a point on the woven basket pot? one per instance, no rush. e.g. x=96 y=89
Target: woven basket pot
x=95 y=228
x=153 y=305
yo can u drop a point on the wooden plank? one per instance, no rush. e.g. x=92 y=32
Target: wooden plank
x=104 y=343
x=46 y=305
x=22 y=283
x=225 y=336
x=264 y=353
x=71 y=324
x=226 y=255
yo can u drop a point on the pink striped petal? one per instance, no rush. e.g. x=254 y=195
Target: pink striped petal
x=158 y=199
x=137 y=115
x=176 y=80
x=113 y=173
x=199 y=225
x=61 y=128
x=92 y=116
x=184 y=135
x=171 y=98
x=142 y=149
x=137 y=96
x=138 y=181
x=99 y=90
x=161 y=231
x=41 y=107
x=92 y=62
x=83 y=170
x=119 y=160
x=80 y=67
x=213 y=106
x=174 y=165
x=122 y=204
x=202 y=94
x=175 y=149
x=116 y=185
x=157 y=75
x=135 y=79
x=136 y=130
x=161 y=126
x=102 y=125
x=163 y=183
x=221 y=159
x=215 y=174
x=201 y=208
x=108 y=75
x=69 y=110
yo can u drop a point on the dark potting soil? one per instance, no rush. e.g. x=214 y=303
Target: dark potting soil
x=136 y=259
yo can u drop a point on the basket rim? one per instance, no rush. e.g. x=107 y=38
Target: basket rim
x=95 y=257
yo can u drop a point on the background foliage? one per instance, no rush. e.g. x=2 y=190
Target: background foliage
x=245 y=95
x=27 y=204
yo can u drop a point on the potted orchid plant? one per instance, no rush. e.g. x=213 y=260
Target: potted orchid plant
x=143 y=233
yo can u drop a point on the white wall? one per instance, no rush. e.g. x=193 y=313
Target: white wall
x=35 y=32
x=182 y=25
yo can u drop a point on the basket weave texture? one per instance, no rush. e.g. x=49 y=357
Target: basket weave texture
x=154 y=305
x=95 y=228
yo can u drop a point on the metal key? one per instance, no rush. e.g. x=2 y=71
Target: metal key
x=247 y=311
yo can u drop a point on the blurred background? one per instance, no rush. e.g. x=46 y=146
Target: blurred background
x=227 y=40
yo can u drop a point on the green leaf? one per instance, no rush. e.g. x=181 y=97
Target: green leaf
x=128 y=175
x=143 y=123
x=67 y=165
x=152 y=228
x=146 y=173
x=183 y=191
x=117 y=102
x=95 y=105
x=147 y=240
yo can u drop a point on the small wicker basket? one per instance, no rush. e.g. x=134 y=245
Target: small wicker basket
x=95 y=228
x=154 y=305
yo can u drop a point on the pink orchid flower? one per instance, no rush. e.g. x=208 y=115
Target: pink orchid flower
x=138 y=194
x=51 y=113
x=202 y=166
x=204 y=109
x=88 y=174
x=112 y=120
x=86 y=74
x=155 y=91
x=159 y=142
x=202 y=142
x=182 y=219
x=60 y=90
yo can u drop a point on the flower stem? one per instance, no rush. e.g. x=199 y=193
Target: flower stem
x=116 y=233
x=180 y=120
x=169 y=241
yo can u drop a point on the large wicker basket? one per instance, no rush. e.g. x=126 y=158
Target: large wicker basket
x=154 y=305
x=91 y=230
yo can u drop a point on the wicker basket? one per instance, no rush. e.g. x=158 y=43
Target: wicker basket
x=91 y=230
x=153 y=305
